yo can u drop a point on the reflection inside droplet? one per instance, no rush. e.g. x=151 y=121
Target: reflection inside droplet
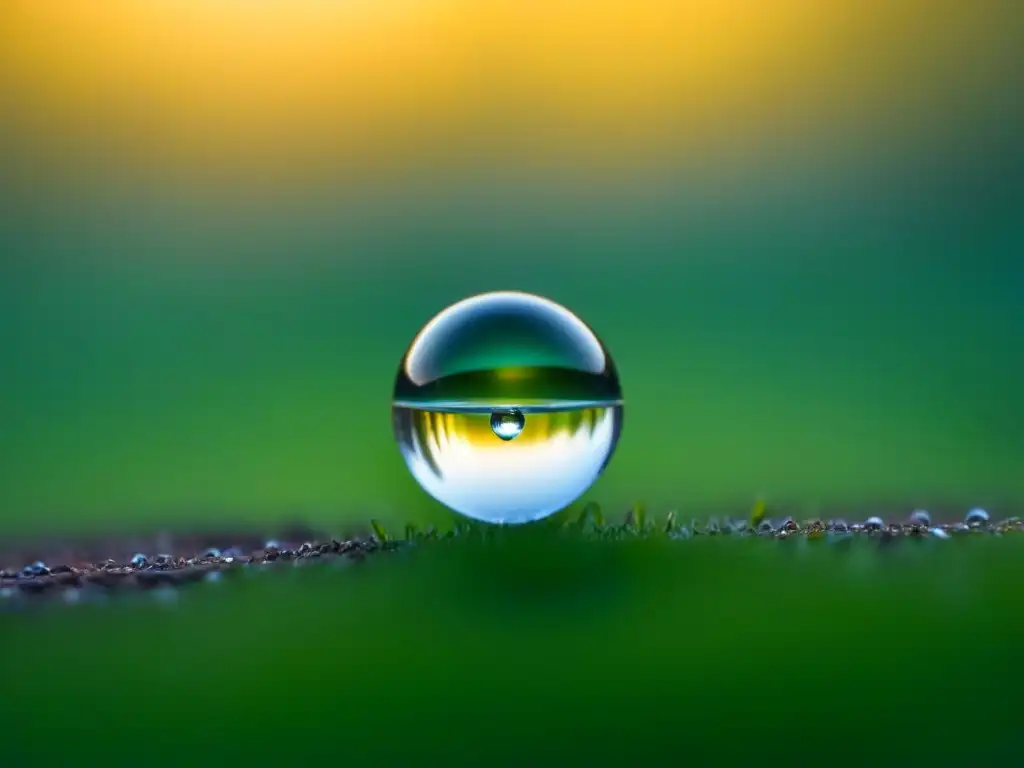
x=509 y=424
x=481 y=369
x=453 y=455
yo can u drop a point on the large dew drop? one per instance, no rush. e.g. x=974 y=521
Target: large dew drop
x=482 y=368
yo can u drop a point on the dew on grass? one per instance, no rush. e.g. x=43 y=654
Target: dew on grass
x=920 y=517
x=976 y=516
x=506 y=407
x=38 y=568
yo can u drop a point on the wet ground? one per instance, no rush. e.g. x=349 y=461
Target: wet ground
x=47 y=568
x=186 y=563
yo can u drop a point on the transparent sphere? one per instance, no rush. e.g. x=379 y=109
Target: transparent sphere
x=506 y=407
x=508 y=425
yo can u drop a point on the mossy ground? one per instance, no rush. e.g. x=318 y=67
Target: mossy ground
x=541 y=645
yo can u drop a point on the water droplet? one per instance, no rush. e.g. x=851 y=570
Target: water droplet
x=508 y=425
x=682 y=532
x=920 y=517
x=38 y=568
x=484 y=367
x=874 y=523
x=139 y=560
x=976 y=516
x=738 y=526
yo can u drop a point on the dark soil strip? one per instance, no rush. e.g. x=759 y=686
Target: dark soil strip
x=146 y=572
x=59 y=568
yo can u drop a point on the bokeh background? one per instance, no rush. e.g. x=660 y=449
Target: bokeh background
x=795 y=224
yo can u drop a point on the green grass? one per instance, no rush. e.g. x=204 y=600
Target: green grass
x=531 y=645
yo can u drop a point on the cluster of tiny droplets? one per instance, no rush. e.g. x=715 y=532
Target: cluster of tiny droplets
x=918 y=523
x=159 y=573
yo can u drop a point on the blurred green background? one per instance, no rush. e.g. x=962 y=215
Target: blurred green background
x=795 y=224
x=796 y=228
x=718 y=651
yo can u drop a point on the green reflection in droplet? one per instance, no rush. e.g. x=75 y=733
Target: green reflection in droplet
x=483 y=359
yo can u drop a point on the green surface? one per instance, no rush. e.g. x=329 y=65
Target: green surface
x=855 y=338
x=711 y=651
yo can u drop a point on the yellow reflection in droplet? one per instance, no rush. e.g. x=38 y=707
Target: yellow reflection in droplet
x=458 y=459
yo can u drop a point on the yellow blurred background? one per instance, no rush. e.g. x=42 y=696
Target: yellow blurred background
x=223 y=89
x=795 y=223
